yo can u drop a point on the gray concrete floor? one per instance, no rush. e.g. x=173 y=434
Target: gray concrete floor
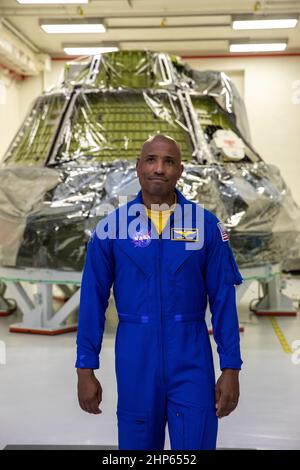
x=38 y=397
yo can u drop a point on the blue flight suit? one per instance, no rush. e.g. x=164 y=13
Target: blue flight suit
x=163 y=357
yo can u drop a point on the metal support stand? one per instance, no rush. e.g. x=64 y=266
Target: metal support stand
x=66 y=292
x=273 y=302
x=39 y=316
x=7 y=306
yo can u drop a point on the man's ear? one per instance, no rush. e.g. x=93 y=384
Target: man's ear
x=137 y=162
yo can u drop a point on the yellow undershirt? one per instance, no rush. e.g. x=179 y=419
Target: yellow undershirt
x=160 y=218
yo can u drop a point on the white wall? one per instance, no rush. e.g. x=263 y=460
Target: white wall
x=9 y=110
x=266 y=83
x=17 y=97
x=15 y=101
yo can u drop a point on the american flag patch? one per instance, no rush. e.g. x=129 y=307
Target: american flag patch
x=223 y=232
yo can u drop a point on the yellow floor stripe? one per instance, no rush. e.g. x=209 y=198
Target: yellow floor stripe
x=285 y=345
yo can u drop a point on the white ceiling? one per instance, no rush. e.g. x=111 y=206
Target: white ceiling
x=176 y=26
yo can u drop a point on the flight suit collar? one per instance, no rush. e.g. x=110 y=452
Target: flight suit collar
x=181 y=201
x=174 y=252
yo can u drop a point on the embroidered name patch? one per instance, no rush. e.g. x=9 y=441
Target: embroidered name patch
x=223 y=232
x=185 y=234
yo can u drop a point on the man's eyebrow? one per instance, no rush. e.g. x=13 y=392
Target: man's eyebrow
x=165 y=156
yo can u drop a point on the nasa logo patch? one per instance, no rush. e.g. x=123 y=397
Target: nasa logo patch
x=141 y=239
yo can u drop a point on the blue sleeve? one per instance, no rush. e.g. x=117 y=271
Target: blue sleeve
x=97 y=279
x=221 y=276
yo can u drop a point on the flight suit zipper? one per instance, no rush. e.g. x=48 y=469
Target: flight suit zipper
x=160 y=313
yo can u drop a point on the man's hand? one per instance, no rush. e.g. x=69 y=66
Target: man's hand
x=227 y=392
x=89 y=391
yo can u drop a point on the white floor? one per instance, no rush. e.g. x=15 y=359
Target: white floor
x=38 y=397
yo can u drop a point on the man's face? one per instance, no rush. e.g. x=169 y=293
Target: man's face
x=159 y=167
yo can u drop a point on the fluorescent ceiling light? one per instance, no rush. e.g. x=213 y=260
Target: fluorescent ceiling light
x=258 y=47
x=88 y=49
x=264 y=22
x=89 y=25
x=41 y=2
x=73 y=28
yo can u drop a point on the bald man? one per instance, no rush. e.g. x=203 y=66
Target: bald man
x=174 y=257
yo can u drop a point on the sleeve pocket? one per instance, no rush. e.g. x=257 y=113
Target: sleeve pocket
x=233 y=276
